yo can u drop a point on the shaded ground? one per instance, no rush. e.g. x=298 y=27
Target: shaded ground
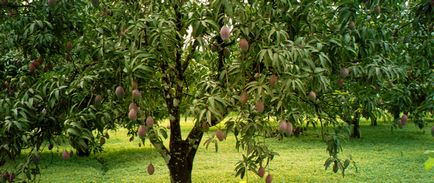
x=381 y=155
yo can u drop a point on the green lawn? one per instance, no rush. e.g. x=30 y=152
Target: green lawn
x=381 y=155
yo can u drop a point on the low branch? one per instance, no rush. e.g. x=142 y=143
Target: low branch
x=194 y=138
x=15 y=6
x=159 y=146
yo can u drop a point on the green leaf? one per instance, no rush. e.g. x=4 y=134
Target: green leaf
x=335 y=166
x=163 y=133
x=346 y=163
x=73 y=131
x=328 y=162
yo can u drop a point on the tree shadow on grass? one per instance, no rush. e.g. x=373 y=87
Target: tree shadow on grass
x=112 y=158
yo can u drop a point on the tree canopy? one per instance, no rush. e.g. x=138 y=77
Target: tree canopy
x=71 y=70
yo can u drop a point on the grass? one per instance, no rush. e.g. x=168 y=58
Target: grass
x=381 y=156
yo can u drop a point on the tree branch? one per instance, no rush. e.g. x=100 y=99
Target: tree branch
x=15 y=6
x=189 y=56
x=159 y=146
x=194 y=138
x=174 y=100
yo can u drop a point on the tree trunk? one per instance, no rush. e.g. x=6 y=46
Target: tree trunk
x=373 y=120
x=182 y=155
x=356 y=128
x=180 y=167
x=83 y=151
x=395 y=112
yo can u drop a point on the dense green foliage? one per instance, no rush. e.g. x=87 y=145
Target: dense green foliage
x=326 y=63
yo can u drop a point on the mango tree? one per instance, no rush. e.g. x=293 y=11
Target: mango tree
x=134 y=63
x=377 y=71
x=207 y=59
x=45 y=75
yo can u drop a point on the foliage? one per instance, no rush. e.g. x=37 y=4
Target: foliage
x=316 y=61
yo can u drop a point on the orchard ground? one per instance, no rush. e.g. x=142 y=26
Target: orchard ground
x=381 y=155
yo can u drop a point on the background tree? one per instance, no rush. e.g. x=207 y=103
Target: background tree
x=132 y=64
